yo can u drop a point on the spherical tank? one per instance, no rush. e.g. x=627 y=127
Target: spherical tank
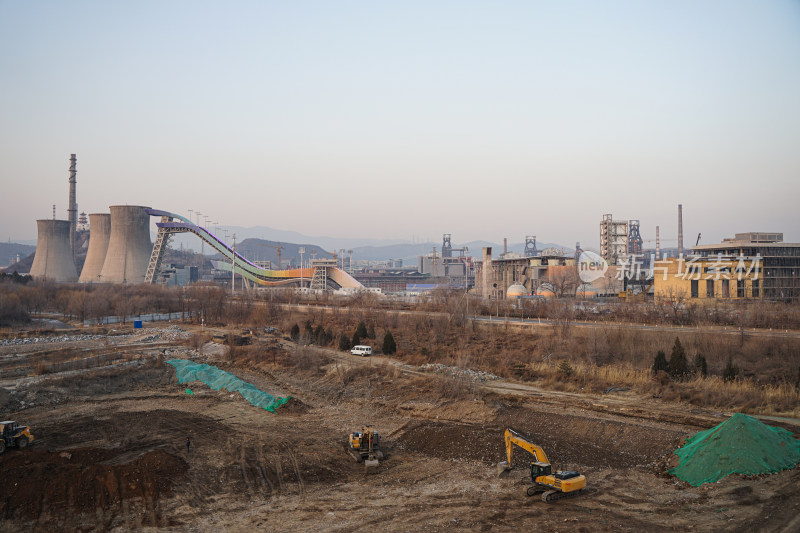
x=516 y=290
x=99 y=235
x=129 y=245
x=53 y=260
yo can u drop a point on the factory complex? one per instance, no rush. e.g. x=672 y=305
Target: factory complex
x=755 y=265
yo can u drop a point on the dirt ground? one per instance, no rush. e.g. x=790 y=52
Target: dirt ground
x=110 y=452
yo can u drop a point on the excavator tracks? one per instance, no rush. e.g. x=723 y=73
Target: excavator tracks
x=553 y=495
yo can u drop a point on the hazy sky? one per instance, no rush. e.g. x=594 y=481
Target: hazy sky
x=397 y=119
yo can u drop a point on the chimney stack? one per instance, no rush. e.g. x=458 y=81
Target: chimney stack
x=505 y=245
x=658 y=245
x=72 y=210
x=680 y=230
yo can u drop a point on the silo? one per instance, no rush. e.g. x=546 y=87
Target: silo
x=53 y=259
x=129 y=245
x=99 y=234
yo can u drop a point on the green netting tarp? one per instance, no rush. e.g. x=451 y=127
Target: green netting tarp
x=217 y=379
x=740 y=445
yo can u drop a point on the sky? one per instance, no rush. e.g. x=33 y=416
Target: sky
x=407 y=120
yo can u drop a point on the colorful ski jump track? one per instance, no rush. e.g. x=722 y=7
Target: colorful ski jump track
x=172 y=223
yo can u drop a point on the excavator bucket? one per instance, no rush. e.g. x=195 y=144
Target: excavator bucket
x=503 y=468
x=371 y=466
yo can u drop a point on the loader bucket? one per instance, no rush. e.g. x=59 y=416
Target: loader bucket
x=503 y=468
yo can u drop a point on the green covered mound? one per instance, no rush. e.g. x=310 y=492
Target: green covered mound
x=217 y=379
x=740 y=445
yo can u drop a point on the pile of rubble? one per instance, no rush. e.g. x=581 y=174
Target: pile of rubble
x=477 y=376
x=16 y=341
x=172 y=333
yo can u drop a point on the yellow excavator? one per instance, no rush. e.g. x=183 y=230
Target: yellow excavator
x=552 y=486
x=364 y=446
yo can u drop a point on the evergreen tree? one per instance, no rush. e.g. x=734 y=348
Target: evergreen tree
x=660 y=362
x=371 y=331
x=731 y=371
x=319 y=335
x=295 y=333
x=701 y=365
x=389 y=346
x=678 y=365
x=344 y=342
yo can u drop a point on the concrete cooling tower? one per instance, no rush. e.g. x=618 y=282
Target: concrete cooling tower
x=129 y=245
x=53 y=260
x=99 y=234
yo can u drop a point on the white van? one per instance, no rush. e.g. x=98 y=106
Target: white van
x=363 y=351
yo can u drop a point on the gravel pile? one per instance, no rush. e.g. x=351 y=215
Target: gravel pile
x=460 y=373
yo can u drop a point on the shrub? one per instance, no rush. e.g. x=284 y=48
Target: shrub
x=344 y=342
x=731 y=371
x=361 y=333
x=389 y=346
x=700 y=364
x=565 y=369
x=678 y=365
x=660 y=363
x=319 y=335
x=295 y=333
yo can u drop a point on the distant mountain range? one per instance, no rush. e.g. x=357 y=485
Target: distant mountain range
x=9 y=251
x=259 y=243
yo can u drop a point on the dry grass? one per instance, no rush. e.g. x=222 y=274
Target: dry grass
x=600 y=357
x=743 y=395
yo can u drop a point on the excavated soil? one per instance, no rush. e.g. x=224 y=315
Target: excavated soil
x=110 y=454
x=51 y=486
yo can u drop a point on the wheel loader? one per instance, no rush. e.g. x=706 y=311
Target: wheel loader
x=12 y=435
x=552 y=486
x=364 y=446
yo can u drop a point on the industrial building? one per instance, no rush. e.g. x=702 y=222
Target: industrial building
x=53 y=260
x=613 y=239
x=552 y=272
x=447 y=268
x=129 y=246
x=755 y=265
x=99 y=235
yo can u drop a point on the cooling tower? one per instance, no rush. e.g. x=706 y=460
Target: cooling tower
x=99 y=234
x=129 y=245
x=53 y=259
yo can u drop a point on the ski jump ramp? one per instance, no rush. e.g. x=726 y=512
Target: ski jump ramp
x=322 y=276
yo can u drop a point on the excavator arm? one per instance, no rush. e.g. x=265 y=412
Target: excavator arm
x=515 y=439
x=512 y=438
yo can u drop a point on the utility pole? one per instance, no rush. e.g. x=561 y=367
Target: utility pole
x=302 y=250
x=198 y=213
x=233 y=266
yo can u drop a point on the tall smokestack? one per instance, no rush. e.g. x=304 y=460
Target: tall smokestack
x=658 y=245
x=72 y=210
x=505 y=245
x=680 y=230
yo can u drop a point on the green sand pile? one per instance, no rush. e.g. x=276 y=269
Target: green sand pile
x=741 y=445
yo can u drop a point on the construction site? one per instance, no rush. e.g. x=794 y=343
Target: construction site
x=171 y=429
